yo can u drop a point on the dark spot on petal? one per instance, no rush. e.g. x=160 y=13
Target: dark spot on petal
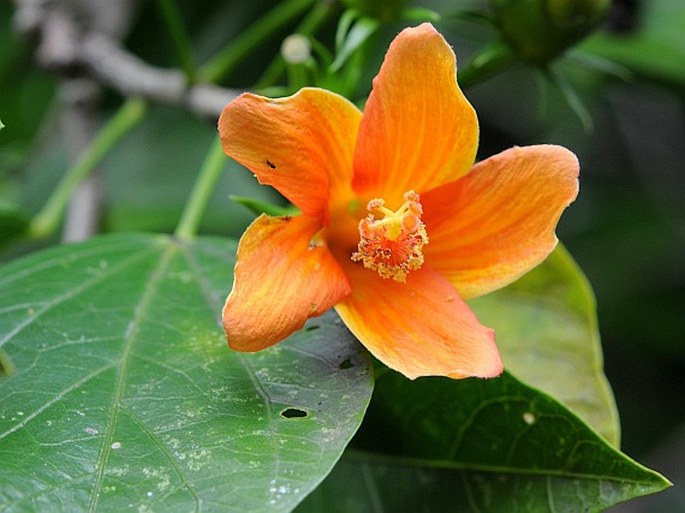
x=346 y=364
x=270 y=164
x=293 y=413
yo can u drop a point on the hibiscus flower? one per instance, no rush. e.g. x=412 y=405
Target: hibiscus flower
x=398 y=227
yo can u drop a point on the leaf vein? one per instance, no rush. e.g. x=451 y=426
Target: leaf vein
x=163 y=449
x=86 y=285
x=56 y=398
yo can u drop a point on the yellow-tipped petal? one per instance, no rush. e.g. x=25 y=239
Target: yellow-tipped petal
x=418 y=130
x=282 y=278
x=302 y=145
x=495 y=224
x=419 y=328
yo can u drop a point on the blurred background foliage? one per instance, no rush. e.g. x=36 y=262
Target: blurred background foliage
x=627 y=229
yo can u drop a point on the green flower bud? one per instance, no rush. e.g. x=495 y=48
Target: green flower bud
x=540 y=30
x=383 y=10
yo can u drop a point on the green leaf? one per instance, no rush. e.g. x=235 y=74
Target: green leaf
x=658 y=32
x=572 y=99
x=124 y=396
x=258 y=207
x=360 y=32
x=546 y=328
x=421 y=14
x=493 y=446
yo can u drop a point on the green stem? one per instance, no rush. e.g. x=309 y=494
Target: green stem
x=179 y=37
x=224 y=63
x=47 y=220
x=320 y=13
x=202 y=191
x=297 y=76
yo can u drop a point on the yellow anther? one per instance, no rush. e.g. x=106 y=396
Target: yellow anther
x=392 y=244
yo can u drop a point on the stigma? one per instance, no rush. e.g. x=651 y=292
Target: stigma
x=391 y=242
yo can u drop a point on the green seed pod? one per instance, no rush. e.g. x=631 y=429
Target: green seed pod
x=383 y=10
x=539 y=30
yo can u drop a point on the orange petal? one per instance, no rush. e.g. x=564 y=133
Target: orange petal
x=418 y=130
x=495 y=224
x=419 y=328
x=281 y=280
x=302 y=145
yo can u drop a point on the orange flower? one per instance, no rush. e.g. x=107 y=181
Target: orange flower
x=398 y=227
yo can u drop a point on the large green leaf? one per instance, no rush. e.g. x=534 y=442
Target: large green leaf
x=495 y=446
x=123 y=396
x=500 y=445
x=546 y=327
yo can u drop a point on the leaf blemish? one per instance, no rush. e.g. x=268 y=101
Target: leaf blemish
x=6 y=367
x=293 y=413
x=346 y=364
x=528 y=418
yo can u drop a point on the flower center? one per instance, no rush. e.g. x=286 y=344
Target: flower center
x=390 y=243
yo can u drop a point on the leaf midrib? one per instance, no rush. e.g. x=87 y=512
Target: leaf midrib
x=391 y=460
x=130 y=338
